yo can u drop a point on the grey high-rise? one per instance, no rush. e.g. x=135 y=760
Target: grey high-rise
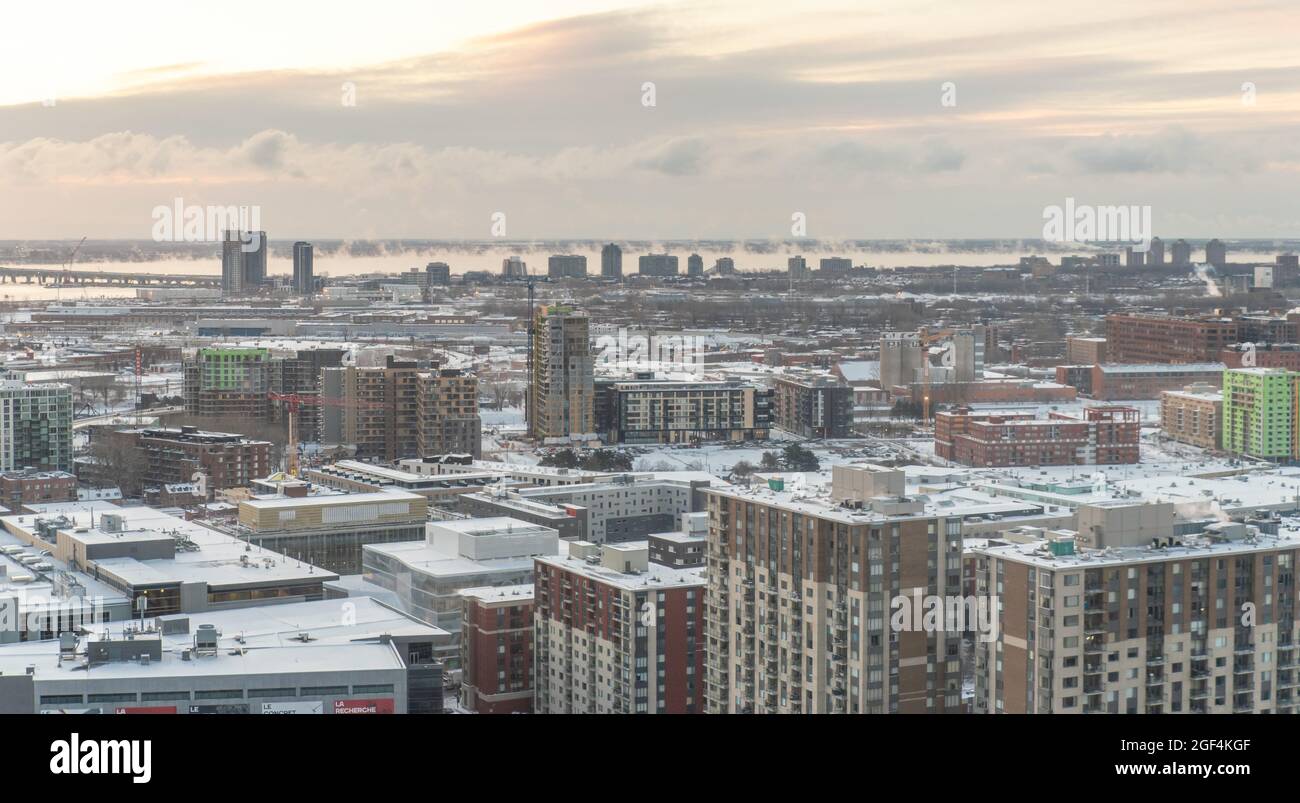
x=611 y=262
x=232 y=264
x=304 y=280
x=254 y=259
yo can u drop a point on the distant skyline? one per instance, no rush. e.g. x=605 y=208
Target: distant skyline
x=833 y=110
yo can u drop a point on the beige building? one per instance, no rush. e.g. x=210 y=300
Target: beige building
x=1193 y=415
x=561 y=388
x=330 y=530
x=1202 y=624
x=801 y=597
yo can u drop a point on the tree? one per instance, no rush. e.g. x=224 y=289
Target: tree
x=560 y=458
x=797 y=458
x=606 y=460
x=119 y=461
x=742 y=469
x=770 y=461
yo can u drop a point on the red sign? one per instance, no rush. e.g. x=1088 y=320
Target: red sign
x=377 y=706
x=148 y=709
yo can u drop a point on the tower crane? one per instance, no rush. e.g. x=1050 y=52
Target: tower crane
x=294 y=401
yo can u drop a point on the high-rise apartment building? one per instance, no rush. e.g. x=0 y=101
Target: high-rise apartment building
x=561 y=390
x=695 y=265
x=836 y=266
x=1149 y=625
x=437 y=274
x=401 y=409
x=657 y=265
x=304 y=278
x=566 y=266
x=1259 y=413
x=35 y=426
x=255 y=248
x=1181 y=254
x=228 y=382
x=1156 y=252
x=617 y=634
x=496 y=649
x=611 y=262
x=724 y=266
x=513 y=268
x=1216 y=253
x=802 y=597
x=448 y=420
x=232 y=264
x=797 y=267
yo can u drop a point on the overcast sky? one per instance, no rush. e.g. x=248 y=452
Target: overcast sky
x=761 y=110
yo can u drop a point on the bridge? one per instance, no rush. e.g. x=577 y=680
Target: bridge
x=58 y=277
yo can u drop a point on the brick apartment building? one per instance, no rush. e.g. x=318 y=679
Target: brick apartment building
x=228 y=382
x=618 y=634
x=226 y=460
x=1134 y=338
x=400 y=410
x=1085 y=350
x=1120 y=382
x=32 y=487
x=1267 y=355
x=496 y=649
x=1104 y=436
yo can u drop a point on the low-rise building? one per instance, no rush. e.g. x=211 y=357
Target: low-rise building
x=1104 y=435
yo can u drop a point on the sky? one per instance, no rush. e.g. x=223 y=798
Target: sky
x=605 y=119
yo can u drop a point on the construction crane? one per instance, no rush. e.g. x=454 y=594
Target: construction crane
x=294 y=401
x=67 y=269
x=926 y=338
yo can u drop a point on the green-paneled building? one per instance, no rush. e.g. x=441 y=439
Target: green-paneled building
x=1259 y=412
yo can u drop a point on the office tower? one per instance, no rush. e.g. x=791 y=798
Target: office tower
x=724 y=266
x=836 y=266
x=254 y=260
x=304 y=280
x=617 y=634
x=1156 y=252
x=804 y=595
x=232 y=264
x=798 y=267
x=566 y=266
x=1286 y=270
x=657 y=265
x=228 y=383
x=695 y=265
x=611 y=262
x=1259 y=418
x=1181 y=254
x=1125 y=617
x=437 y=274
x=1216 y=253
x=561 y=390
x=35 y=426
x=513 y=268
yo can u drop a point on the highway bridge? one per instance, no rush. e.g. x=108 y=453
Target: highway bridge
x=58 y=277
